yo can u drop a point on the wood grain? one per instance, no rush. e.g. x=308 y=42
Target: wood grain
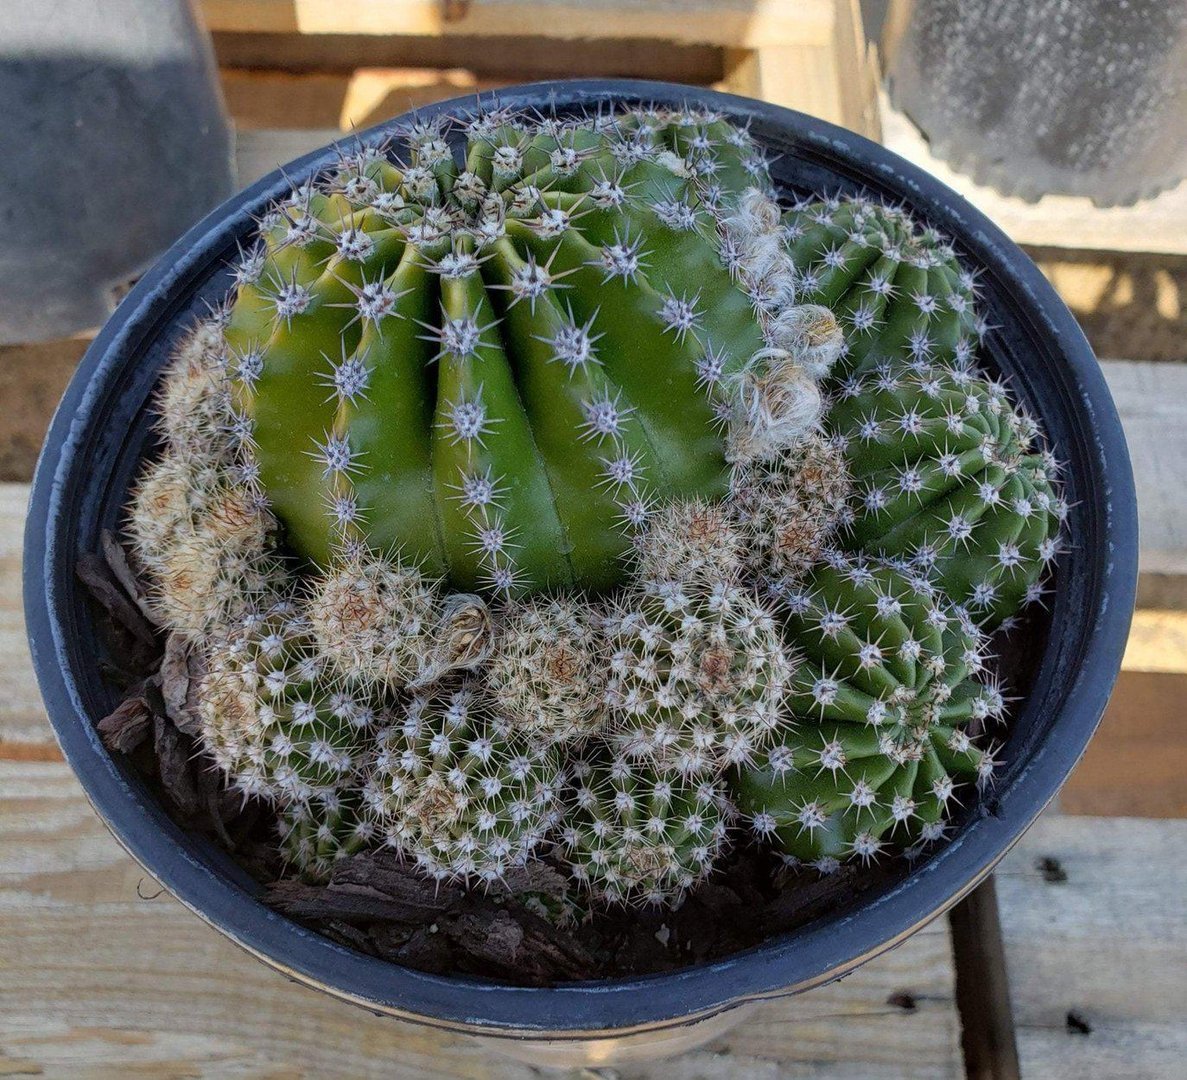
x=741 y=23
x=1095 y=931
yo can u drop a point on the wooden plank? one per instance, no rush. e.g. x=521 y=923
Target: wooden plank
x=24 y=730
x=1137 y=761
x=1152 y=401
x=279 y=99
x=1064 y=221
x=739 y=23
x=1096 y=947
x=104 y=975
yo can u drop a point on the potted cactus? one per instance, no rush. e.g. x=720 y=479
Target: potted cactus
x=559 y=508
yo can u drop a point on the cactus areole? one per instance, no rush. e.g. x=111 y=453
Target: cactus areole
x=499 y=496
x=492 y=353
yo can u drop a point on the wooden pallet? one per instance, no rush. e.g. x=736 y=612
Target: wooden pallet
x=809 y=55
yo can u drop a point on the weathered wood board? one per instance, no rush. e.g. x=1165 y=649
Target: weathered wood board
x=1095 y=928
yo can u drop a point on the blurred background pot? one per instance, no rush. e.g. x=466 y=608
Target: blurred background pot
x=102 y=431
x=113 y=141
x=1035 y=97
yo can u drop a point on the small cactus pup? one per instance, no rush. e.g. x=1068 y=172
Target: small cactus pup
x=948 y=480
x=632 y=833
x=458 y=791
x=788 y=509
x=698 y=677
x=897 y=288
x=547 y=668
x=493 y=366
x=317 y=834
x=200 y=532
x=276 y=726
x=379 y=622
x=882 y=709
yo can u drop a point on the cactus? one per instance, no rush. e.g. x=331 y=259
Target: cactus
x=698 y=677
x=273 y=722
x=882 y=705
x=897 y=289
x=204 y=538
x=789 y=508
x=547 y=669
x=382 y=623
x=316 y=834
x=633 y=833
x=457 y=790
x=494 y=371
x=947 y=479
x=691 y=541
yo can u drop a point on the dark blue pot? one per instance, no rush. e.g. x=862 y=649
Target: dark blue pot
x=101 y=431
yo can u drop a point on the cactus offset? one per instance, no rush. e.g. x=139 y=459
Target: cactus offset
x=547 y=669
x=458 y=791
x=947 y=480
x=633 y=833
x=897 y=289
x=788 y=509
x=493 y=371
x=881 y=708
x=271 y=719
x=697 y=677
x=316 y=834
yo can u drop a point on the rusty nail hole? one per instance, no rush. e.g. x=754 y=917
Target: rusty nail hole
x=902 y=1000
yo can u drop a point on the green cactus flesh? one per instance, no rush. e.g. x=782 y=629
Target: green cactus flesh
x=492 y=371
x=316 y=834
x=897 y=290
x=880 y=707
x=947 y=480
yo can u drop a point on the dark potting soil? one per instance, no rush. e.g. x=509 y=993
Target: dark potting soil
x=381 y=906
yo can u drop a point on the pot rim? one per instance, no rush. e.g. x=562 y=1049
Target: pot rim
x=808 y=956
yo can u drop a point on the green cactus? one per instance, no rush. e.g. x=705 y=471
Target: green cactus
x=698 y=677
x=633 y=833
x=272 y=720
x=881 y=707
x=897 y=289
x=316 y=834
x=947 y=480
x=493 y=372
x=458 y=791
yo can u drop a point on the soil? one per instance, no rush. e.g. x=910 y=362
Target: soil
x=380 y=906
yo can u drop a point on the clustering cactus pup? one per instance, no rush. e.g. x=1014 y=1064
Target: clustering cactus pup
x=897 y=289
x=948 y=480
x=379 y=622
x=273 y=721
x=316 y=834
x=698 y=677
x=453 y=787
x=547 y=669
x=201 y=533
x=883 y=706
x=493 y=371
x=634 y=833
x=788 y=509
